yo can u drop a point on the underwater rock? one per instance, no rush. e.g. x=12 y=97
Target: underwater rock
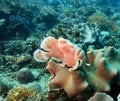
x=24 y=76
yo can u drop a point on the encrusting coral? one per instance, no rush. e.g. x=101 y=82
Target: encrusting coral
x=77 y=71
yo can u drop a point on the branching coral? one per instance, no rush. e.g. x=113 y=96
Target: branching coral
x=95 y=69
x=22 y=93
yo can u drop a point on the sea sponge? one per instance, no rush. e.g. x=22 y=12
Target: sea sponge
x=21 y=93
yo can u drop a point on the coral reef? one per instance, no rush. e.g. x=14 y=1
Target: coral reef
x=69 y=65
x=78 y=32
x=24 y=24
x=16 y=55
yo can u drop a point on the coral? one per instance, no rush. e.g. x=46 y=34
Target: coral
x=46 y=13
x=102 y=65
x=116 y=16
x=103 y=21
x=118 y=97
x=5 y=7
x=91 y=34
x=73 y=79
x=17 y=21
x=21 y=59
x=2 y=99
x=78 y=32
x=101 y=97
x=2 y=22
x=56 y=93
x=105 y=35
x=95 y=70
x=22 y=93
x=3 y=89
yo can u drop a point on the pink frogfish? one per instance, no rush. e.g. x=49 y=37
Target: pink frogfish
x=61 y=50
